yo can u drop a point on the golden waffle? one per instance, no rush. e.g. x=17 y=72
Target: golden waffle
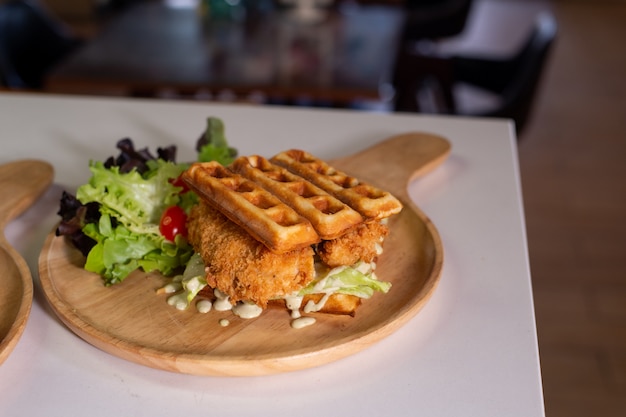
x=330 y=217
x=249 y=205
x=371 y=202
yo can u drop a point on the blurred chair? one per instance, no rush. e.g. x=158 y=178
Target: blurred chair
x=509 y=82
x=31 y=42
x=435 y=19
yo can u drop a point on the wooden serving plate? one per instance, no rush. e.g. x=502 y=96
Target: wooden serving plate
x=131 y=321
x=21 y=182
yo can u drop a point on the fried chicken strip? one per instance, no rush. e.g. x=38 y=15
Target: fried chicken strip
x=242 y=267
x=363 y=242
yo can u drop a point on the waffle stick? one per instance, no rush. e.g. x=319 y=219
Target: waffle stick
x=336 y=304
x=371 y=202
x=264 y=216
x=330 y=217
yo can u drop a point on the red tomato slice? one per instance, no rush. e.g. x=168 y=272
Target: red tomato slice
x=173 y=222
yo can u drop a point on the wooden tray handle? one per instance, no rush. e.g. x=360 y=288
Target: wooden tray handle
x=393 y=163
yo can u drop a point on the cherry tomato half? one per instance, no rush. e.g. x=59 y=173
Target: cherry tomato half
x=173 y=222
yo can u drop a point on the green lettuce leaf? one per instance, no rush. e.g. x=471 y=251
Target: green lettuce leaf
x=347 y=280
x=213 y=146
x=137 y=201
x=118 y=251
x=192 y=281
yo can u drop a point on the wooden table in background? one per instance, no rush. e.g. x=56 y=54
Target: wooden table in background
x=153 y=47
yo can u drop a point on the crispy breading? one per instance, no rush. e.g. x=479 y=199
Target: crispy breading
x=364 y=242
x=239 y=265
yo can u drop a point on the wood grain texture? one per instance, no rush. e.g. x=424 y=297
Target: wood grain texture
x=131 y=321
x=21 y=182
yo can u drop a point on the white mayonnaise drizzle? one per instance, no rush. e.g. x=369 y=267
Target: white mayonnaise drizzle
x=204 y=306
x=222 y=302
x=294 y=302
x=301 y=322
x=172 y=287
x=179 y=301
x=246 y=310
x=312 y=306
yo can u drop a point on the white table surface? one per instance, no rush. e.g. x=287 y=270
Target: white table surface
x=471 y=351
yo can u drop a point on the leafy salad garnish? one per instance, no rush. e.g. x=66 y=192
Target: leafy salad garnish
x=212 y=145
x=116 y=218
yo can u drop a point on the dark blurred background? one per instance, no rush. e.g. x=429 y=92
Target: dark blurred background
x=556 y=67
x=467 y=57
